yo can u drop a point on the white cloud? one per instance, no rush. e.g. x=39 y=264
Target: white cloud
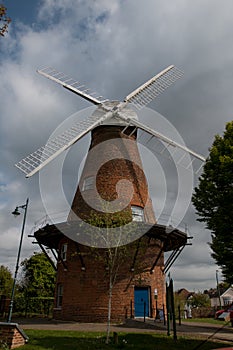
x=113 y=46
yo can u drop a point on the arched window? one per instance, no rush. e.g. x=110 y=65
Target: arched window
x=137 y=213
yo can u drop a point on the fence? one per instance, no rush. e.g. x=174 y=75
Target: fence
x=28 y=306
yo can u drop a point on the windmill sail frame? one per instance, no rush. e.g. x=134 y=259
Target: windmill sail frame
x=71 y=84
x=41 y=157
x=140 y=97
x=155 y=86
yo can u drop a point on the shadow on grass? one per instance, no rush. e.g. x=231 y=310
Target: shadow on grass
x=187 y=327
x=73 y=340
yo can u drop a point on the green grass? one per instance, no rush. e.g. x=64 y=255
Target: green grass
x=205 y=320
x=74 y=340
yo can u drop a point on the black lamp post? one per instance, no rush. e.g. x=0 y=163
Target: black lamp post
x=17 y=213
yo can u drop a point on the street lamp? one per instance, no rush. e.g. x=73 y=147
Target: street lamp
x=17 y=213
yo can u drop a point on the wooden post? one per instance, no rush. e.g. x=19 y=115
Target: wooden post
x=144 y=311
x=115 y=338
x=168 y=323
x=173 y=310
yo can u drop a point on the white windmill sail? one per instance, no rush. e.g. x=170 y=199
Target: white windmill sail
x=38 y=159
x=139 y=97
x=170 y=142
x=71 y=84
x=156 y=135
x=147 y=92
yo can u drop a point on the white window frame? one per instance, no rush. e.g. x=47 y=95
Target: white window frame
x=59 y=295
x=88 y=183
x=137 y=213
x=64 y=248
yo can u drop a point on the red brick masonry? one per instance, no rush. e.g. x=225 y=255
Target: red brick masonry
x=82 y=287
x=12 y=335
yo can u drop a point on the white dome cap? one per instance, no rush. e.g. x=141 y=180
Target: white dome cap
x=112 y=106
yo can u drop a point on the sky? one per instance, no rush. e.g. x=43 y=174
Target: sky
x=112 y=46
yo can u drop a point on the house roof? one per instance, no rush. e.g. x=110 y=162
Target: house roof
x=228 y=292
x=185 y=293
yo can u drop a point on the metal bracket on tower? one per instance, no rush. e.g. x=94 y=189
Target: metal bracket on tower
x=157 y=258
x=83 y=267
x=174 y=255
x=135 y=255
x=45 y=252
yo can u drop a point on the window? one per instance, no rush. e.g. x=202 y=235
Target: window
x=64 y=251
x=59 y=295
x=137 y=213
x=88 y=183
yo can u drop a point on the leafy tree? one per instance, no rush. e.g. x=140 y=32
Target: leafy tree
x=199 y=300
x=116 y=254
x=38 y=276
x=213 y=200
x=4 y=20
x=223 y=286
x=5 y=281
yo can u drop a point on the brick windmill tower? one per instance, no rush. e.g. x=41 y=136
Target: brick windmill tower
x=111 y=200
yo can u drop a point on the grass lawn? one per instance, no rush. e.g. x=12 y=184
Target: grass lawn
x=206 y=320
x=74 y=340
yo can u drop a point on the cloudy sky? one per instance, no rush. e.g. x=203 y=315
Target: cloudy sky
x=113 y=46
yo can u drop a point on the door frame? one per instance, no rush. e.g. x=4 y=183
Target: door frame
x=149 y=298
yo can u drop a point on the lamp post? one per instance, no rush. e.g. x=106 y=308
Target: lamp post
x=17 y=213
x=219 y=297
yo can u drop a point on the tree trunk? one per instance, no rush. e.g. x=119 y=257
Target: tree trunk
x=109 y=309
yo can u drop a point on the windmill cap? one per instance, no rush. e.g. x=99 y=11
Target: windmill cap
x=113 y=106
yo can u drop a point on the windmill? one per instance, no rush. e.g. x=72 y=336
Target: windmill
x=106 y=111
x=115 y=124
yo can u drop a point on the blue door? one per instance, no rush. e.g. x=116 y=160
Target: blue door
x=141 y=301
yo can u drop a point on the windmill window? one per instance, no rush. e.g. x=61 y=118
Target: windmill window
x=59 y=295
x=88 y=183
x=137 y=213
x=64 y=251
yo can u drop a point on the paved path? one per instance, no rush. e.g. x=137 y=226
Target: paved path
x=200 y=330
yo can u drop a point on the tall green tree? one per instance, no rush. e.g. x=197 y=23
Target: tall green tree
x=38 y=276
x=213 y=200
x=4 y=20
x=6 y=281
x=199 y=300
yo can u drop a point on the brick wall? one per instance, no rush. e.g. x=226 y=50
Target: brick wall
x=85 y=290
x=85 y=293
x=115 y=161
x=12 y=335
